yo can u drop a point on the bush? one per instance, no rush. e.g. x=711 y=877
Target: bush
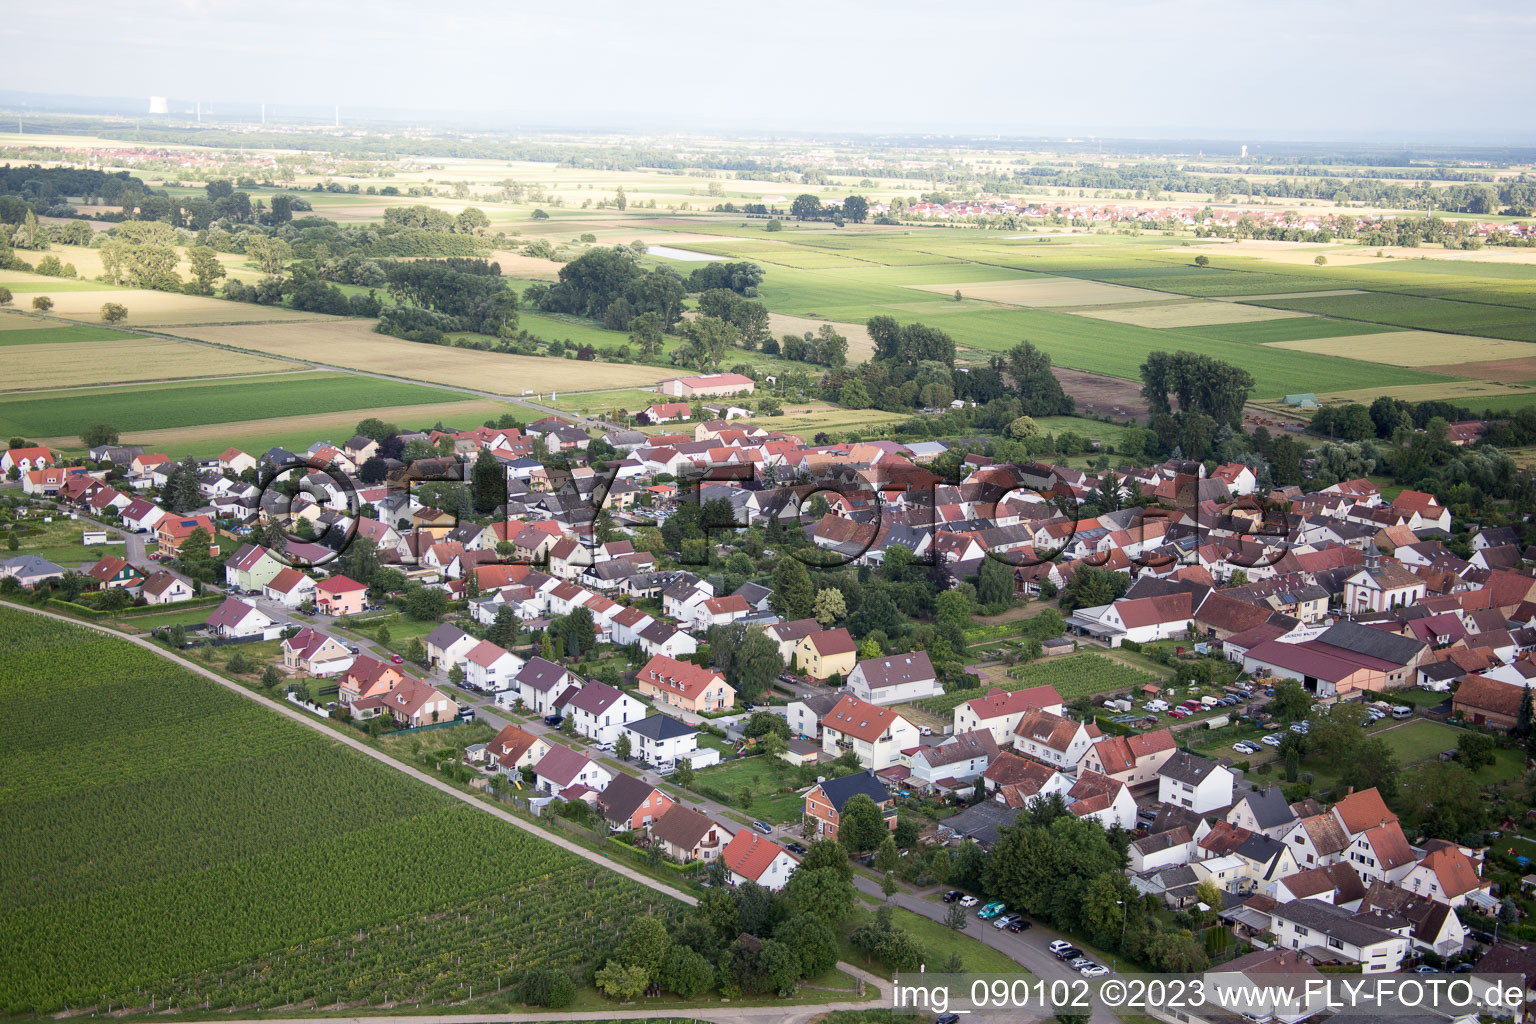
x=113 y=312
x=42 y=303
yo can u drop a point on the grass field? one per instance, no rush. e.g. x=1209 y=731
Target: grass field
x=163 y=837
x=231 y=400
x=760 y=776
x=21 y=332
x=59 y=541
x=354 y=344
x=145 y=308
x=1203 y=313
x=1412 y=348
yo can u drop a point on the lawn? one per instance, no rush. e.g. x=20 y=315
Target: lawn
x=230 y=892
x=59 y=541
x=938 y=939
x=1419 y=740
x=760 y=777
x=161 y=406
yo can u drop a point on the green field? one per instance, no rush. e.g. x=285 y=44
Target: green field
x=196 y=403
x=760 y=776
x=56 y=335
x=160 y=836
x=1072 y=676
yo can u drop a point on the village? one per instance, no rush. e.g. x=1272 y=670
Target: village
x=724 y=718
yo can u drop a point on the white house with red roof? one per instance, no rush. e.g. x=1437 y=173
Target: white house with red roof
x=1000 y=710
x=165 y=588
x=1445 y=875
x=685 y=685
x=895 y=680
x=1052 y=739
x=289 y=588
x=412 y=703
x=876 y=735
x=720 y=611
x=1132 y=760
x=315 y=653
x=490 y=667
x=142 y=515
x=25 y=460
x=233 y=460
x=750 y=857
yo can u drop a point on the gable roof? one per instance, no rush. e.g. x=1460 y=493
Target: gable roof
x=1363 y=810
x=840 y=790
x=860 y=719
x=561 y=765
x=897 y=669
x=749 y=854
x=682 y=826
x=623 y=796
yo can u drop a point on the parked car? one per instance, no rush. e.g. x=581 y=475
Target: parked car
x=396 y=659
x=1179 y=713
x=952 y=895
x=1399 y=711
x=1005 y=920
x=1080 y=962
x=354 y=649
x=991 y=910
x=763 y=827
x=1157 y=705
x=553 y=721
x=1018 y=924
x=667 y=768
x=1094 y=971
x=947 y=1018
x=1425 y=969
x=1059 y=945
x=1273 y=739
x=969 y=901
x=466 y=714
x=1301 y=728
x=1071 y=952
x=796 y=848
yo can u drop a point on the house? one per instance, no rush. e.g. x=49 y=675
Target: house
x=686 y=835
x=1188 y=780
x=30 y=570
x=1133 y=760
x=1445 y=875
x=685 y=685
x=1266 y=811
x=894 y=680
x=1381 y=853
x=629 y=803
x=489 y=667
x=658 y=739
x=539 y=684
x=447 y=646
x=141 y=515
x=707 y=385
x=563 y=768
x=1360 y=811
x=367 y=677
x=1000 y=710
x=1325 y=933
x=600 y=711
x=665 y=412
x=165 y=588
x=340 y=595
x=314 y=653
x=1379 y=587
x=25 y=460
x=804 y=713
x=1488 y=702
x=173 y=531
x=412 y=704
x=826 y=653
x=235 y=619
x=1051 y=739
x=114 y=573
x=1107 y=801
x=290 y=588
x=876 y=735
x=1333 y=883
x=954 y=763
x=789 y=634
x=515 y=748
x=251 y=568
x=1315 y=841
x=720 y=611
x=824 y=802
x=1162 y=849
x=750 y=857
x=1434 y=925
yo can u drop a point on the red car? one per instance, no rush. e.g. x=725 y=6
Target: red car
x=1179 y=712
x=396 y=659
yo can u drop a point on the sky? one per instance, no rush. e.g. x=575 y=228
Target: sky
x=1299 y=69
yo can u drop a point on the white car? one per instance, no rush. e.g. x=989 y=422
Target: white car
x=1244 y=747
x=968 y=901
x=1094 y=971
x=1157 y=705
x=1273 y=739
x=1059 y=945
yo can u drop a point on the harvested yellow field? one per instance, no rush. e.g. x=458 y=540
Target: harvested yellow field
x=860 y=345
x=1199 y=313
x=84 y=363
x=515 y=264
x=1043 y=290
x=1289 y=295
x=87 y=263
x=1453 y=391
x=162 y=309
x=1411 y=348
x=352 y=344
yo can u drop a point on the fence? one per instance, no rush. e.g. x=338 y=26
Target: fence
x=423 y=728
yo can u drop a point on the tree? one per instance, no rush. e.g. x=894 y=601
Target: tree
x=829 y=606
x=856 y=209
x=1291 y=702
x=888 y=885
x=706 y=339
x=805 y=207
x=956 y=917
x=887 y=857
x=547 y=986
x=622 y=748
x=42 y=303
x=488 y=482
x=861 y=826
x=426 y=604
x=815 y=943
x=994 y=583
x=1444 y=797
x=269 y=254
x=1202 y=261
x=1040 y=393
x=1321 y=261
x=98 y=434
x=1523 y=719
x=1176 y=953
x=113 y=312
x=621 y=982
x=471 y=221
x=1475 y=750
x=206 y=268
x=5 y=296
x=686 y=972
x=822 y=885
x=793 y=593
x=645 y=945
